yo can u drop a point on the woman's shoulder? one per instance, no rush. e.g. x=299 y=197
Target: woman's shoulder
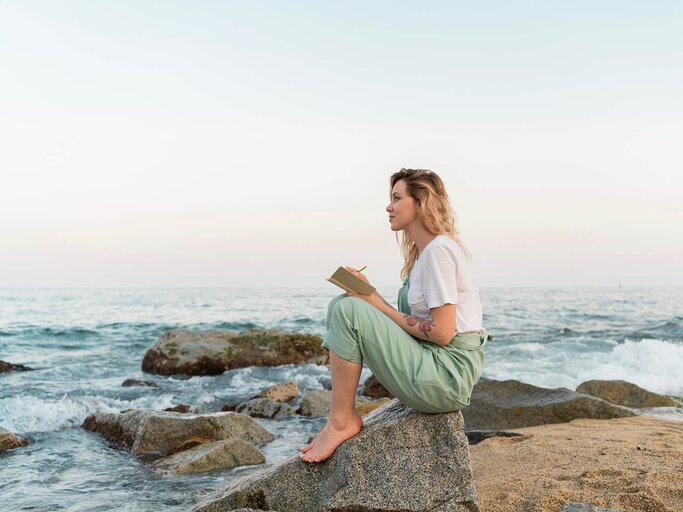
x=445 y=244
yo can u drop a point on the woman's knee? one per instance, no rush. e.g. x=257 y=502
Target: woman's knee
x=346 y=307
x=335 y=300
x=331 y=306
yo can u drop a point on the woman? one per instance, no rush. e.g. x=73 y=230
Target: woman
x=428 y=353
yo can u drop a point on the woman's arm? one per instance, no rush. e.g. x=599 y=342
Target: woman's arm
x=440 y=330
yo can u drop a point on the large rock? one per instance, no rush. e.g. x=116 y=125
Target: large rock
x=137 y=382
x=9 y=367
x=316 y=403
x=210 y=457
x=512 y=404
x=621 y=392
x=375 y=389
x=213 y=352
x=280 y=392
x=8 y=440
x=401 y=460
x=265 y=408
x=154 y=433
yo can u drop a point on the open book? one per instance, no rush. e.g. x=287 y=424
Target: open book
x=349 y=282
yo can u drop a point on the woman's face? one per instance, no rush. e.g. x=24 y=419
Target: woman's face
x=402 y=208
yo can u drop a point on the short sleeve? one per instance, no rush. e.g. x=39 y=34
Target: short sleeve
x=439 y=277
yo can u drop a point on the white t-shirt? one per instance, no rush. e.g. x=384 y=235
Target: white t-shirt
x=441 y=275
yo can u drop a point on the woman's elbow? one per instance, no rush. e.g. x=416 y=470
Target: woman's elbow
x=444 y=338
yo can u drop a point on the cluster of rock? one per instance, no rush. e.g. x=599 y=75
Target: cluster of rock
x=366 y=473
x=181 y=443
x=398 y=445
x=272 y=403
x=178 y=441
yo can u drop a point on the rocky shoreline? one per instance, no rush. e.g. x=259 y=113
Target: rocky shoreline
x=515 y=447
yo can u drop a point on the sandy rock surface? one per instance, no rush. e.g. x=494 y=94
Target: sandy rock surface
x=633 y=464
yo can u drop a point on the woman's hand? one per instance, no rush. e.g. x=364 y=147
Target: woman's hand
x=357 y=274
x=374 y=299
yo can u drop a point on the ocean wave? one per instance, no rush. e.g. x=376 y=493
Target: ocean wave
x=28 y=414
x=234 y=326
x=529 y=347
x=34 y=331
x=653 y=364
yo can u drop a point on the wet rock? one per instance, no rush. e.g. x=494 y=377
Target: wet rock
x=8 y=440
x=401 y=460
x=135 y=382
x=210 y=457
x=477 y=436
x=154 y=433
x=325 y=381
x=230 y=407
x=181 y=408
x=213 y=352
x=625 y=393
x=582 y=507
x=9 y=367
x=280 y=392
x=374 y=389
x=315 y=403
x=365 y=407
x=265 y=408
x=512 y=404
x=191 y=443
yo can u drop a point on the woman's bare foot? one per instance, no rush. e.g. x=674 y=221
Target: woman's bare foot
x=309 y=445
x=329 y=438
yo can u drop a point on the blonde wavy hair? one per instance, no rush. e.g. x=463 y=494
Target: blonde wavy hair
x=435 y=212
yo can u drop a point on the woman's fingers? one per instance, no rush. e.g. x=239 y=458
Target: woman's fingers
x=356 y=273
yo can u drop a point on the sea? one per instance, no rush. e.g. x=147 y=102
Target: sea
x=83 y=343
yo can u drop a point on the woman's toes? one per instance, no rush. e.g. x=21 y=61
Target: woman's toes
x=307 y=447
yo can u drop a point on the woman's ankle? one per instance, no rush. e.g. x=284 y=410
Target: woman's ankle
x=344 y=421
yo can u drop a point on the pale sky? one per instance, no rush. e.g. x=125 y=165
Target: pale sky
x=216 y=143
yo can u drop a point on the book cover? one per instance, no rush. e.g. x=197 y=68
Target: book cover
x=350 y=282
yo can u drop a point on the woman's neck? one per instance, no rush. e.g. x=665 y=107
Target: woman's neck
x=422 y=238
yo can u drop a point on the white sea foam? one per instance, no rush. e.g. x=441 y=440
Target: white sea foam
x=530 y=347
x=650 y=363
x=25 y=415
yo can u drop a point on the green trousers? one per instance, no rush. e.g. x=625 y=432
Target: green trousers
x=421 y=374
